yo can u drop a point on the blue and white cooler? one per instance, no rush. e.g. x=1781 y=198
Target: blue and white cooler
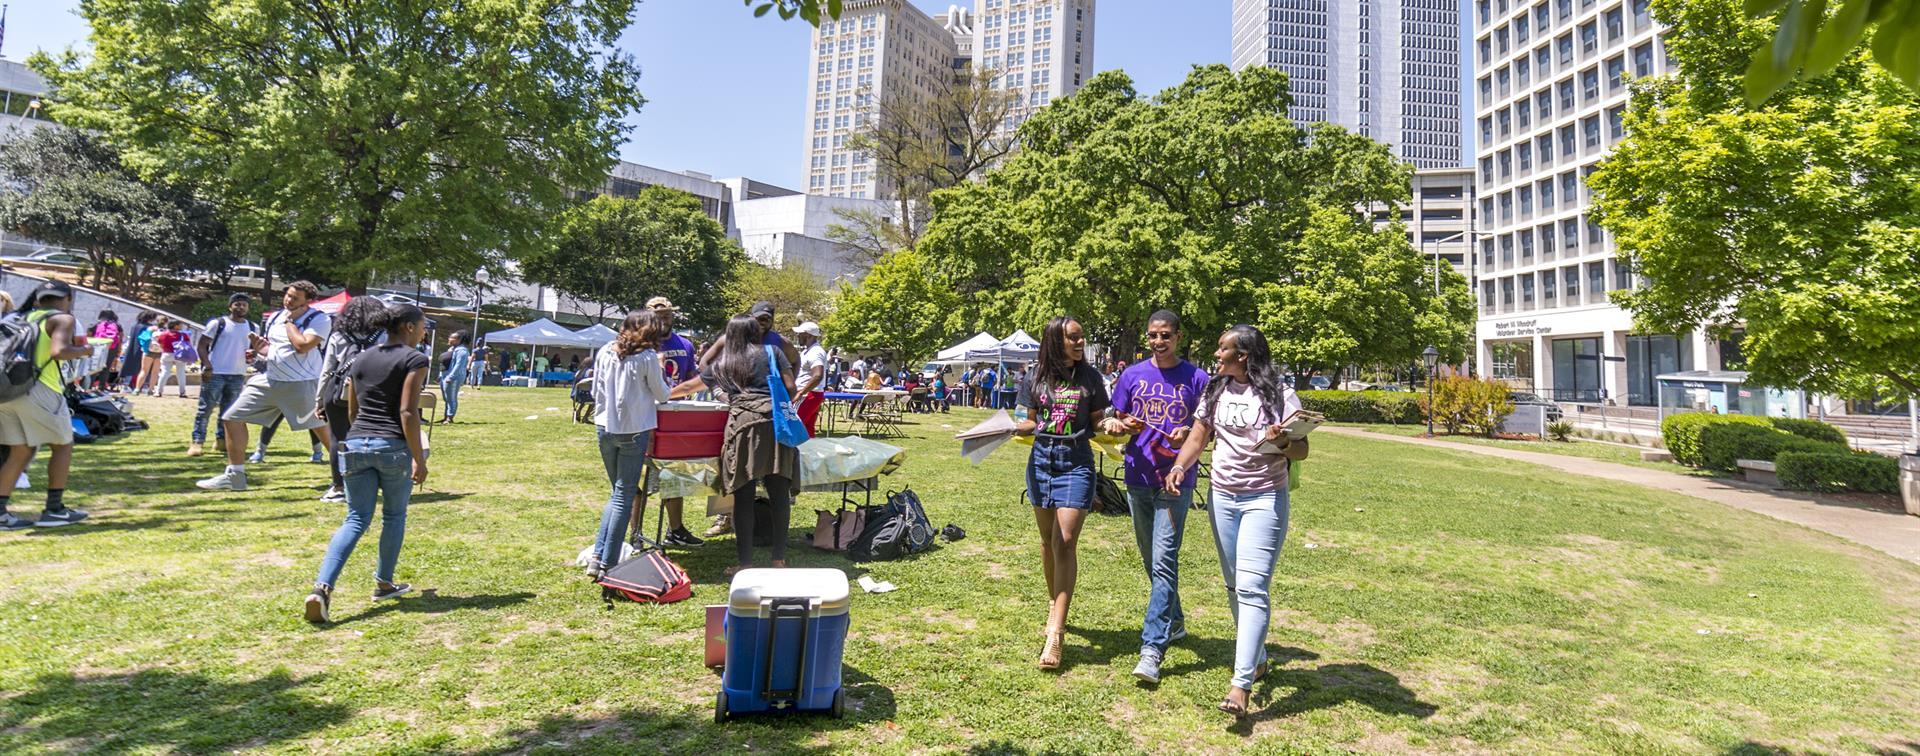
x=786 y=629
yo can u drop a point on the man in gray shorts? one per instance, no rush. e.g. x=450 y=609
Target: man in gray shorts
x=292 y=346
x=40 y=417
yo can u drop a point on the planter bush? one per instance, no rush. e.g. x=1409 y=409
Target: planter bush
x=1681 y=432
x=1813 y=429
x=1468 y=404
x=1724 y=444
x=1838 y=471
x=1363 y=406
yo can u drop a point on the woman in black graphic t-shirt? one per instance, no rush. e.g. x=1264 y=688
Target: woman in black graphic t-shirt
x=383 y=454
x=1063 y=397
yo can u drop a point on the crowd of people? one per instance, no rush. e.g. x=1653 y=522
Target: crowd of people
x=355 y=382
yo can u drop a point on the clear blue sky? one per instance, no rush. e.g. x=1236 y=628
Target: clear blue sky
x=727 y=92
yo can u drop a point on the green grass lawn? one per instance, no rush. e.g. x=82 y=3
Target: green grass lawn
x=1427 y=600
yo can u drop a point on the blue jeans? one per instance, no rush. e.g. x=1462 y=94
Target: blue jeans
x=1248 y=530
x=450 y=391
x=1159 y=521
x=371 y=466
x=219 y=390
x=625 y=457
x=1060 y=473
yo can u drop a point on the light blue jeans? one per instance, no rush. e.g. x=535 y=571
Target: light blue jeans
x=450 y=389
x=370 y=467
x=1248 y=530
x=1159 y=521
x=216 y=390
x=625 y=457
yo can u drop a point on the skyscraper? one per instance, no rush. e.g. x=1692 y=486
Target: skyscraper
x=1387 y=69
x=1551 y=76
x=877 y=49
x=889 y=48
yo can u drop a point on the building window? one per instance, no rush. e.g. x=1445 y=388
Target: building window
x=1576 y=370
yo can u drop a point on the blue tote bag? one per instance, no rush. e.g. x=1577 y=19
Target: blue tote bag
x=788 y=429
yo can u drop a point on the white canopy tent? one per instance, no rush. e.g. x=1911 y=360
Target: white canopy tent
x=1016 y=348
x=958 y=352
x=542 y=332
x=596 y=335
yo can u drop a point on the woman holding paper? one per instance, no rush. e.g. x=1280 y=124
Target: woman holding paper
x=1245 y=409
x=1064 y=397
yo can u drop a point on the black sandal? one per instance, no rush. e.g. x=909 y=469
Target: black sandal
x=1227 y=705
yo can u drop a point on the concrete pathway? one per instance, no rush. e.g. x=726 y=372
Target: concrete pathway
x=1878 y=529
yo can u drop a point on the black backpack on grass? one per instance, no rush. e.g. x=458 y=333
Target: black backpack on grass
x=893 y=531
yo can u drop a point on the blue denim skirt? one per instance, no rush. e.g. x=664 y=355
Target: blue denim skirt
x=1060 y=473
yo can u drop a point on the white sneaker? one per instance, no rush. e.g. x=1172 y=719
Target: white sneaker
x=22 y=484
x=334 y=495
x=224 y=482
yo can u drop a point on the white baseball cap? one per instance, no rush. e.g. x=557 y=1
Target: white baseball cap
x=808 y=327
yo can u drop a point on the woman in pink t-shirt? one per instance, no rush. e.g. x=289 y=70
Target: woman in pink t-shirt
x=1245 y=410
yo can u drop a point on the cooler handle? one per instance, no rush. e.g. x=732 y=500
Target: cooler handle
x=776 y=609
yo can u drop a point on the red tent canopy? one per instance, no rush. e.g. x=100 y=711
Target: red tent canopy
x=331 y=305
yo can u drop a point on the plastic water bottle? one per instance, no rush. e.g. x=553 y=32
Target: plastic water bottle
x=1019 y=413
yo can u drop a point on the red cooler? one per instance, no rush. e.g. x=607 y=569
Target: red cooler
x=689 y=430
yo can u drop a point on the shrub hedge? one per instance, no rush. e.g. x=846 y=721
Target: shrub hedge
x=1813 y=429
x=1682 y=432
x=1838 y=471
x=1363 y=406
x=1723 y=444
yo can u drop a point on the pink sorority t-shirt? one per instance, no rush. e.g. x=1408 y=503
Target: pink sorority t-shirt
x=1238 y=424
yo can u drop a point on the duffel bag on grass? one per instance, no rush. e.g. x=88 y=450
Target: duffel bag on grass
x=648 y=578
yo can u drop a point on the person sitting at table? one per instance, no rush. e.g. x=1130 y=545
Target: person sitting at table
x=873 y=380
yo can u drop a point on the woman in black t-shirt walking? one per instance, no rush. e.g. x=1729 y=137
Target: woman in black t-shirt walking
x=382 y=453
x=1063 y=397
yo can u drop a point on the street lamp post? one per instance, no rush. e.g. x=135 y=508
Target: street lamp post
x=1432 y=358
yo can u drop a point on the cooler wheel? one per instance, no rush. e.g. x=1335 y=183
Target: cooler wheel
x=720 y=708
x=840 y=704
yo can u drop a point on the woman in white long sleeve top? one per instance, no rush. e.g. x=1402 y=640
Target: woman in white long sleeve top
x=628 y=389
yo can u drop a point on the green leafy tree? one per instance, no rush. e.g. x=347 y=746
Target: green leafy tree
x=797 y=293
x=1808 y=42
x=1207 y=200
x=380 y=139
x=618 y=252
x=902 y=306
x=69 y=187
x=810 y=11
x=1796 y=221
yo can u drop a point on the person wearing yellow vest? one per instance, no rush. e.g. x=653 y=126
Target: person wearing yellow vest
x=40 y=417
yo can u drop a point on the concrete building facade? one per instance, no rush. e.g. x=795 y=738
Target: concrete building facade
x=1386 y=69
x=1043 y=49
x=878 y=49
x=792 y=229
x=1439 y=217
x=1551 y=78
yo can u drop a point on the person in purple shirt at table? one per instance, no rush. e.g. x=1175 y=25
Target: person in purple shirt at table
x=1154 y=400
x=683 y=379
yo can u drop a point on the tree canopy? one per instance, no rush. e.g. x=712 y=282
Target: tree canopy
x=1207 y=200
x=1797 y=220
x=415 y=139
x=797 y=293
x=618 y=252
x=901 y=306
x=1809 y=43
x=68 y=187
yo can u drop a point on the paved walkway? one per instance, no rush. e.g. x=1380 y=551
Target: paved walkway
x=1878 y=529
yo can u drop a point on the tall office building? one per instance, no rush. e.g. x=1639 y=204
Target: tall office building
x=889 y=48
x=1551 y=76
x=1043 y=49
x=878 y=49
x=1386 y=69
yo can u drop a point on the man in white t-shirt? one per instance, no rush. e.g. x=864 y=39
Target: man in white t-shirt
x=811 y=384
x=287 y=389
x=224 y=343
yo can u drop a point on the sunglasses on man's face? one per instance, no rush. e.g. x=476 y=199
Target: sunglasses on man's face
x=1159 y=336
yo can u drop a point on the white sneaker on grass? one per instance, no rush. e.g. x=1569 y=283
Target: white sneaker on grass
x=226 y=481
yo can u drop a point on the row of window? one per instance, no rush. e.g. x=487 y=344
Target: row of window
x=1519 y=75
x=1570 y=286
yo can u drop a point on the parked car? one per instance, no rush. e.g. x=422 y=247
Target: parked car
x=58 y=257
x=1524 y=398
x=394 y=299
x=1320 y=382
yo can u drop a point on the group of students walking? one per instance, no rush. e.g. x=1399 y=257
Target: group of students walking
x=1173 y=411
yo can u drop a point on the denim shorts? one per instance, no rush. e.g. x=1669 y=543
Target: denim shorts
x=1060 y=473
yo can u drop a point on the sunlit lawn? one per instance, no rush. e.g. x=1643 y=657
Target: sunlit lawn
x=1427 y=600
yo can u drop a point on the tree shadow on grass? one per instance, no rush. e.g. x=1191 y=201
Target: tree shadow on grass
x=1751 y=748
x=643 y=731
x=158 y=709
x=431 y=602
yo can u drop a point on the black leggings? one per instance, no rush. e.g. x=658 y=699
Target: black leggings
x=780 y=493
